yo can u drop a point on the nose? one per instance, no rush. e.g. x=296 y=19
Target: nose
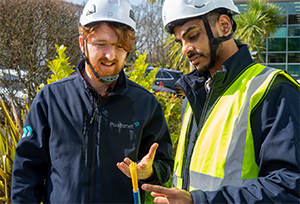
x=110 y=53
x=187 y=48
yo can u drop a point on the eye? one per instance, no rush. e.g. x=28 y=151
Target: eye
x=193 y=37
x=99 y=44
x=119 y=47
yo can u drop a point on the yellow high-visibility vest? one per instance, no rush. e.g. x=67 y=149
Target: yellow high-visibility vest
x=182 y=142
x=224 y=150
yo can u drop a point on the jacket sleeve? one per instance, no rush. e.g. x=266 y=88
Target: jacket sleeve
x=157 y=131
x=31 y=157
x=275 y=126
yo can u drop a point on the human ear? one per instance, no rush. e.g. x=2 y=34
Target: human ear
x=225 y=24
x=81 y=42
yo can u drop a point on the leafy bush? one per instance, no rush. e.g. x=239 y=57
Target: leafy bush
x=138 y=76
x=10 y=133
x=29 y=30
x=171 y=105
x=11 y=129
x=60 y=67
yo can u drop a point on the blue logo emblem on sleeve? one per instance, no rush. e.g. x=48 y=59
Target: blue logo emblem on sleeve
x=27 y=131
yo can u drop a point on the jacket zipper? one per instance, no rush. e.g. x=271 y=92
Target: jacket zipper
x=91 y=147
x=203 y=114
x=84 y=137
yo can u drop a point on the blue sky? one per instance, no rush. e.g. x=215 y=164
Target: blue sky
x=134 y=2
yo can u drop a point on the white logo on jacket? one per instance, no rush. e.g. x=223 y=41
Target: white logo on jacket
x=123 y=125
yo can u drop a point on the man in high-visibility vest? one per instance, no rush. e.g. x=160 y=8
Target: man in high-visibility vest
x=239 y=139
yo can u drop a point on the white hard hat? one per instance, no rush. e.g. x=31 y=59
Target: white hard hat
x=119 y=11
x=174 y=10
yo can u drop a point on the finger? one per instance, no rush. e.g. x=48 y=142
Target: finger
x=157 y=189
x=152 y=151
x=128 y=161
x=161 y=200
x=153 y=194
x=124 y=168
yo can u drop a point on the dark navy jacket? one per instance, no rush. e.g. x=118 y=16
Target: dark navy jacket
x=73 y=139
x=275 y=126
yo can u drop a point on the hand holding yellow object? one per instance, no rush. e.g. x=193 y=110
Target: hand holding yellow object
x=144 y=167
x=136 y=193
x=133 y=173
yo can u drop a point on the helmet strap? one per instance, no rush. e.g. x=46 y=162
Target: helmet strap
x=213 y=42
x=106 y=79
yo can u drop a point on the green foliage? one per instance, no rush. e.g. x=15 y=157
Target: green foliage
x=11 y=129
x=174 y=53
x=171 y=105
x=261 y=20
x=10 y=133
x=138 y=76
x=29 y=30
x=60 y=67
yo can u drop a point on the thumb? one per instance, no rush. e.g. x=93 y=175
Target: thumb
x=152 y=151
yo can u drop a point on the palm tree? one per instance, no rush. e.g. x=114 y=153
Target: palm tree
x=177 y=59
x=261 y=20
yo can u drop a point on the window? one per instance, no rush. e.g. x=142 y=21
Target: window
x=283 y=47
x=294 y=7
x=281 y=32
x=284 y=20
x=294 y=19
x=294 y=58
x=294 y=31
x=294 y=69
x=283 y=6
x=282 y=67
x=263 y=56
x=161 y=75
x=294 y=44
x=278 y=44
x=276 y=58
x=242 y=7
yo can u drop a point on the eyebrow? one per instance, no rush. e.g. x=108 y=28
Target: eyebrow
x=103 y=41
x=98 y=41
x=186 y=32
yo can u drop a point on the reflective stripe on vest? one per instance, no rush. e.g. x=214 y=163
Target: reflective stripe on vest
x=179 y=157
x=224 y=150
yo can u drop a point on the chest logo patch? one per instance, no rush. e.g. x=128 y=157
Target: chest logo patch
x=27 y=131
x=123 y=125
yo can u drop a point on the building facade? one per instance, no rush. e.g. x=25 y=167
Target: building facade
x=283 y=49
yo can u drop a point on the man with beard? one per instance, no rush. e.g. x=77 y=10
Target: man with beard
x=239 y=139
x=82 y=132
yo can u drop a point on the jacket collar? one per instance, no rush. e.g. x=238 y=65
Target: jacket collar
x=121 y=84
x=234 y=66
x=231 y=68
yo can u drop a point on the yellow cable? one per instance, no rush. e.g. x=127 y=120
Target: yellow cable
x=133 y=173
